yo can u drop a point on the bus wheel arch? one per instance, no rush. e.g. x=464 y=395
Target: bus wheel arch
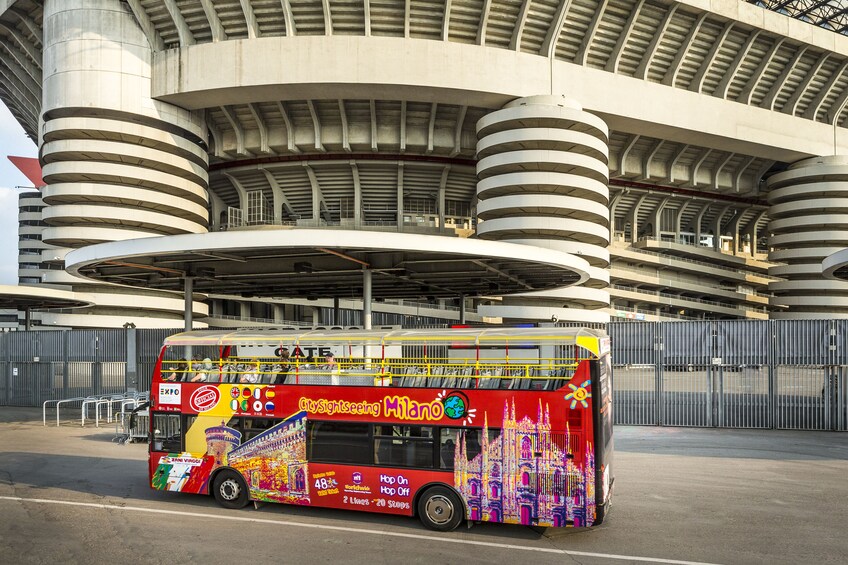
x=229 y=488
x=439 y=507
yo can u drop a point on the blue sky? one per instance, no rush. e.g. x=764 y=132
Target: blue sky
x=13 y=141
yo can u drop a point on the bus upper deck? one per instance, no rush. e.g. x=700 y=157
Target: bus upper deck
x=498 y=358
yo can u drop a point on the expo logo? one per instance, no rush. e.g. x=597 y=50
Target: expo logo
x=205 y=398
x=169 y=394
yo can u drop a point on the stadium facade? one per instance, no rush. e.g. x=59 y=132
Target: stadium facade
x=692 y=152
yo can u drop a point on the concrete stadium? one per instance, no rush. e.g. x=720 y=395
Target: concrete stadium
x=691 y=154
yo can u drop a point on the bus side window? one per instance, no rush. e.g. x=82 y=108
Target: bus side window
x=447 y=447
x=472 y=438
x=403 y=446
x=252 y=427
x=339 y=442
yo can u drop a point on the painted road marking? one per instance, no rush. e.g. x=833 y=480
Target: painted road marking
x=357 y=531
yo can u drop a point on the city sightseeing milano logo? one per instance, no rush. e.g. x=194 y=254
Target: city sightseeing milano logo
x=457 y=406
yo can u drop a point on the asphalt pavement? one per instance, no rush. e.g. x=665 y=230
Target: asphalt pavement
x=682 y=495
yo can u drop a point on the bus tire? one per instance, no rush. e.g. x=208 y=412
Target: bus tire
x=230 y=490
x=440 y=509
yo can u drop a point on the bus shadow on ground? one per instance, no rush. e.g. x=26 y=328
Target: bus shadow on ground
x=364 y=520
x=98 y=476
x=127 y=480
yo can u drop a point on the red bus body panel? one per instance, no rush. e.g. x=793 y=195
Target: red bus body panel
x=539 y=469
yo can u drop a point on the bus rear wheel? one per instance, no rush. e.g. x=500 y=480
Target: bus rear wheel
x=440 y=509
x=230 y=490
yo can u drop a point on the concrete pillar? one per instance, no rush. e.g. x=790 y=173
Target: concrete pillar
x=366 y=299
x=807 y=204
x=316 y=315
x=102 y=139
x=244 y=310
x=543 y=179
x=188 y=287
x=461 y=308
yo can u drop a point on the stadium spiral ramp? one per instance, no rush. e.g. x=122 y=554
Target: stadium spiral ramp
x=118 y=164
x=809 y=221
x=542 y=180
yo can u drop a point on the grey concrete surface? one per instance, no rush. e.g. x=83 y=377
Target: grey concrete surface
x=71 y=495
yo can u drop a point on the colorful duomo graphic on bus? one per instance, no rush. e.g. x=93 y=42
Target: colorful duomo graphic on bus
x=523 y=477
x=274 y=462
x=220 y=440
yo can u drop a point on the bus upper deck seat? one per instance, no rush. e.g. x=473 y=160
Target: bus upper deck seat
x=466 y=381
x=410 y=377
x=451 y=378
x=267 y=374
x=435 y=378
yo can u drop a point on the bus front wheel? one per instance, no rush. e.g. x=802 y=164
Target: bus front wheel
x=230 y=490
x=440 y=509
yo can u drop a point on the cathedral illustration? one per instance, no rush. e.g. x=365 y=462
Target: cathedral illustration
x=274 y=462
x=525 y=476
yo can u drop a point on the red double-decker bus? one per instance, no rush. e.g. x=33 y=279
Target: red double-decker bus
x=500 y=425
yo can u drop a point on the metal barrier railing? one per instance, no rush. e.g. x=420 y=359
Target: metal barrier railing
x=132 y=425
x=108 y=403
x=58 y=405
x=107 y=400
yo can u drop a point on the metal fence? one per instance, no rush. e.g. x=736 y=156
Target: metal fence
x=788 y=374
x=37 y=366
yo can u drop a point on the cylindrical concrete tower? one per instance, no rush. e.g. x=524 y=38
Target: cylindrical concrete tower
x=809 y=212
x=542 y=180
x=118 y=164
x=31 y=250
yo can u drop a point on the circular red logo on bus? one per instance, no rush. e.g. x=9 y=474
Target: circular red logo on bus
x=205 y=398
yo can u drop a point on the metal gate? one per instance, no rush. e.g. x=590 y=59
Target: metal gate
x=788 y=374
x=37 y=366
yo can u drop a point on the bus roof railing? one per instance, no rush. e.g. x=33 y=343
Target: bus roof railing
x=488 y=336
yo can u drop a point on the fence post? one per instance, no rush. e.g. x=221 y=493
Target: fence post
x=830 y=375
x=7 y=369
x=96 y=366
x=658 y=371
x=840 y=409
x=131 y=373
x=772 y=374
x=713 y=376
x=66 y=365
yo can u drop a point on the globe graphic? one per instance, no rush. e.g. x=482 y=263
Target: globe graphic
x=454 y=407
